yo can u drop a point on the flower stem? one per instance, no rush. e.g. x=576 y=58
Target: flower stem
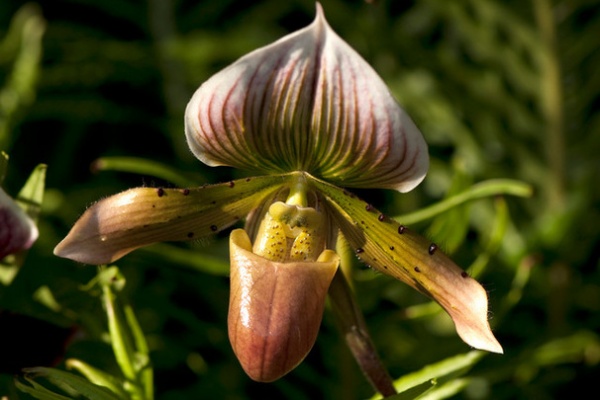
x=352 y=324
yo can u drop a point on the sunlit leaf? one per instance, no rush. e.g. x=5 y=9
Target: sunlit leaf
x=120 y=337
x=418 y=382
x=489 y=188
x=143 y=166
x=98 y=377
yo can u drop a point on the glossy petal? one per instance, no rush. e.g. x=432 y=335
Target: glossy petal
x=275 y=309
x=307 y=102
x=17 y=230
x=394 y=250
x=137 y=217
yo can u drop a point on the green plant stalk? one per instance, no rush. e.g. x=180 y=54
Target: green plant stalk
x=146 y=374
x=479 y=190
x=19 y=90
x=143 y=166
x=551 y=100
x=121 y=343
x=123 y=350
x=495 y=240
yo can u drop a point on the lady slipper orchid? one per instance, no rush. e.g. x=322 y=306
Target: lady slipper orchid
x=311 y=116
x=17 y=230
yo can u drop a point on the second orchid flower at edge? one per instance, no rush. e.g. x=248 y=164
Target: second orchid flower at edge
x=312 y=117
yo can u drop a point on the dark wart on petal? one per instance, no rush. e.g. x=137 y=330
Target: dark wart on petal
x=401 y=229
x=359 y=250
x=432 y=248
x=213 y=228
x=160 y=192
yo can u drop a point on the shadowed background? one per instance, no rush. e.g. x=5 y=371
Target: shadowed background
x=500 y=89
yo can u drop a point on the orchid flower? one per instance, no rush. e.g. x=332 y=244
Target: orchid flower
x=311 y=118
x=17 y=230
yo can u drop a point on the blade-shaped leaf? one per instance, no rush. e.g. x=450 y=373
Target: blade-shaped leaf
x=489 y=188
x=32 y=194
x=38 y=391
x=143 y=366
x=98 y=377
x=137 y=217
x=395 y=250
x=3 y=165
x=120 y=337
x=419 y=382
x=144 y=166
x=70 y=382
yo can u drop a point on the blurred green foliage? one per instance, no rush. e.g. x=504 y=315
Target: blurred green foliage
x=500 y=89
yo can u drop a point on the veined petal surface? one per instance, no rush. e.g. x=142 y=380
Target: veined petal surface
x=275 y=308
x=138 y=217
x=17 y=230
x=307 y=102
x=394 y=250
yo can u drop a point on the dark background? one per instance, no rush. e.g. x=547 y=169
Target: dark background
x=500 y=89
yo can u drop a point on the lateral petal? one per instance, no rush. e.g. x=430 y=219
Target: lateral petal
x=394 y=250
x=137 y=217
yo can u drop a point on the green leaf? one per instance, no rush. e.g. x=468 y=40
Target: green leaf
x=196 y=260
x=144 y=166
x=496 y=237
x=451 y=227
x=128 y=341
x=23 y=45
x=120 y=338
x=3 y=165
x=32 y=194
x=419 y=382
x=30 y=201
x=70 y=382
x=143 y=368
x=493 y=187
x=38 y=391
x=98 y=377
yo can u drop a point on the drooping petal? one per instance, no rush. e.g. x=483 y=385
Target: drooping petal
x=307 y=102
x=395 y=250
x=275 y=309
x=137 y=217
x=17 y=230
